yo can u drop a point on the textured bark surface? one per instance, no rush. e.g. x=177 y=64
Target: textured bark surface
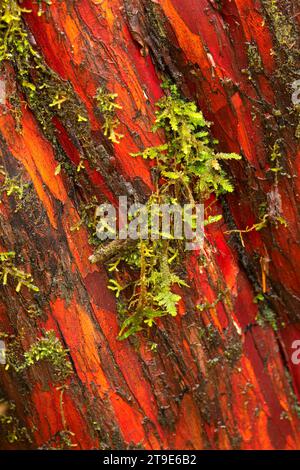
x=218 y=379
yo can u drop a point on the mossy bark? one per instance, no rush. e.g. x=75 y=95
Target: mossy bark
x=218 y=378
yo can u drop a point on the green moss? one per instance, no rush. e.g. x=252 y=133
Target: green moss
x=13 y=351
x=265 y=219
x=211 y=335
x=50 y=349
x=13 y=186
x=230 y=346
x=62 y=440
x=207 y=305
x=254 y=58
x=47 y=348
x=157 y=22
x=286 y=53
x=88 y=219
x=10 y=426
x=267 y=317
x=47 y=95
x=233 y=351
x=188 y=157
x=9 y=270
x=188 y=169
x=296 y=406
x=276 y=154
x=40 y=3
x=215 y=361
x=107 y=105
x=12 y=36
x=283 y=28
x=34 y=311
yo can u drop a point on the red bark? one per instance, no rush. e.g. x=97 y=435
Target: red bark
x=174 y=398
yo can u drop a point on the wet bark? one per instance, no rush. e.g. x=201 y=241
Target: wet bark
x=218 y=379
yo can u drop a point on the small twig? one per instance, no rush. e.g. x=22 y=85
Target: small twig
x=109 y=251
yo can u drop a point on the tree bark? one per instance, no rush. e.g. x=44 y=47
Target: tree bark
x=218 y=380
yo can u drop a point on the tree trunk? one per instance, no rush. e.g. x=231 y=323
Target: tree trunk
x=220 y=378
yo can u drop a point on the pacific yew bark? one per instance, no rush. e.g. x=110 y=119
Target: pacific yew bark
x=218 y=379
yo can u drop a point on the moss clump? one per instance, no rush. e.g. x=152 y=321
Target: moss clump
x=266 y=316
x=34 y=311
x=233 y=350
x=188 y=169
x=47 y=348
x=187 y=161
x=50 y=349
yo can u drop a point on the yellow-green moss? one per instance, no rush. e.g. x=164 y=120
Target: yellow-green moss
x=191 y=170
x=9 y=270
